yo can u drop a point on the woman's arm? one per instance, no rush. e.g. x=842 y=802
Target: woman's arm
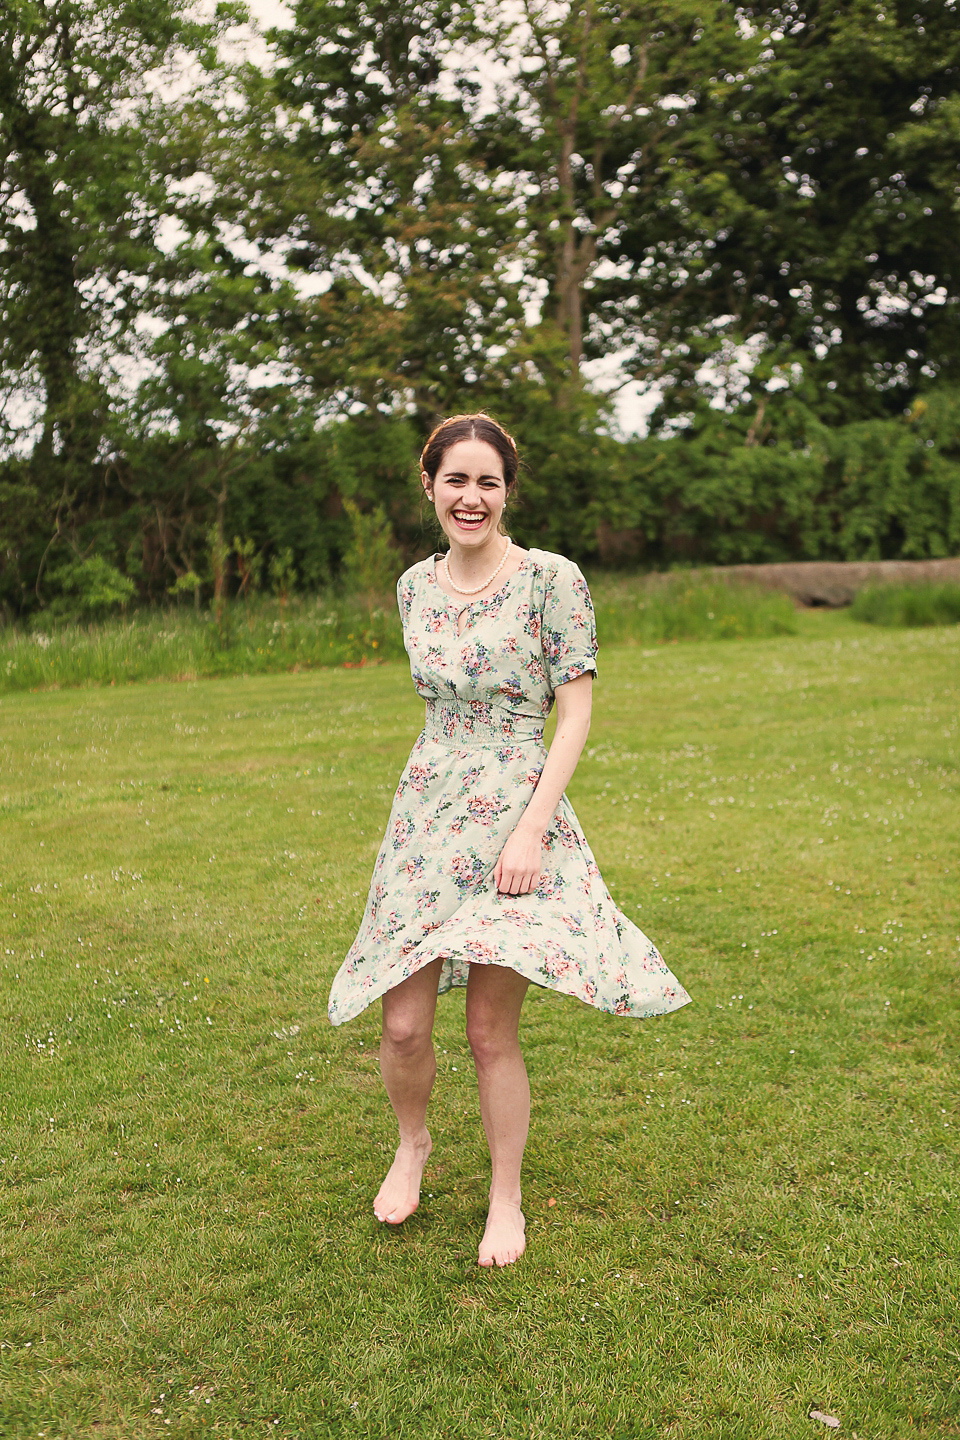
x=518 y=868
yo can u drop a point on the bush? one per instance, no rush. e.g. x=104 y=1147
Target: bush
x=907 y=605
x=89 y=589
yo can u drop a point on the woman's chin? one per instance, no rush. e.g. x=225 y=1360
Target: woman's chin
x=465 y=536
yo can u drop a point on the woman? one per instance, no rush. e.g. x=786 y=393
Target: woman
x=484 y=877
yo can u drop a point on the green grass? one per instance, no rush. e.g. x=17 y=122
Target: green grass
x=263 y=637
x=908 y=605
x=756 y=1199
x=685 y=605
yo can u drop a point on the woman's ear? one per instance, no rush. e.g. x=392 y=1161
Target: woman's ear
x=427 y=484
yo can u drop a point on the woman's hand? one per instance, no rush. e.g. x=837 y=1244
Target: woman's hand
x=518 y=868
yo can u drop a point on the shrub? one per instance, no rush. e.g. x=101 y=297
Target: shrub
x=89 y=589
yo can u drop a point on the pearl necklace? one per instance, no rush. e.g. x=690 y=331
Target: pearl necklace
x=488 y=581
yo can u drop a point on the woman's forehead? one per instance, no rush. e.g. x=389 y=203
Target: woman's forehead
x=472 y=457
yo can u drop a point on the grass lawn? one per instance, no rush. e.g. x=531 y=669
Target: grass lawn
x=756 y=1200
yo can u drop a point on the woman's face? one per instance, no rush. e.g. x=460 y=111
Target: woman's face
x=469 y=492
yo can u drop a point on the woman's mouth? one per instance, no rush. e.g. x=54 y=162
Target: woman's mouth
x=469 y=519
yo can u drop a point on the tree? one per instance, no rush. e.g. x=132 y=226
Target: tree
x=840 y=247
x=358 y=161
x=83 y=187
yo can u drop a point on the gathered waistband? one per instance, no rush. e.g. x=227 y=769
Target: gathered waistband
x=467 y=724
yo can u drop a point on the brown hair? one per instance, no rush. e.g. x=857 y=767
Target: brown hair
x=471 y=427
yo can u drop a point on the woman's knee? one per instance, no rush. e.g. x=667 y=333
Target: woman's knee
x=405 y=1032
x=489 y=1038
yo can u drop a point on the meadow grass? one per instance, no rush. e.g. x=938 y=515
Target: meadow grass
x=687 y=605
x=261 y=636
x=908 y=605
x=755 y=1199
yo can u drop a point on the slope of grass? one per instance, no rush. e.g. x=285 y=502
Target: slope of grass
x=908 y=605
x=755 y=1200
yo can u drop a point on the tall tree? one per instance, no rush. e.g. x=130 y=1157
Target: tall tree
x=360 y=165
x=82 y=192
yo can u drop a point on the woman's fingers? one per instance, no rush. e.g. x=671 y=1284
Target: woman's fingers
x=520 y=882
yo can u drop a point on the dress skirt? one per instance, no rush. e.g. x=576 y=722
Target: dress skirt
x=489 y=671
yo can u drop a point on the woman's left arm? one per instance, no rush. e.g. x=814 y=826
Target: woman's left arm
x=518 y=868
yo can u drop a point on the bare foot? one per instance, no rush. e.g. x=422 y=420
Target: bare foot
x=503 y=1239
x=400 y=1192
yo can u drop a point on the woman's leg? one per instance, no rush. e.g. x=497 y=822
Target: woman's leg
x=494 y=998
x=408 y=1066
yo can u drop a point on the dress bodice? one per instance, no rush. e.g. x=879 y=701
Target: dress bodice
x=535 y=633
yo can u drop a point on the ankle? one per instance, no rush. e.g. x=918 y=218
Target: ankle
x=508 y=1198
x=415 y=1139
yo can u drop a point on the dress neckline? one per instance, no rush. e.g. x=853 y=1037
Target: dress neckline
x=450 y=599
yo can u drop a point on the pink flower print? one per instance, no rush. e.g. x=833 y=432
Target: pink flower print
x=475 y=660
x=419 y=776
x=413 y=868
x=403 y=828
x=589 y=990
x=470 y=778
x=426 y=900
x=481 y=952
x=548 y=887
x=433 y=621
x=486 y=809
x=530 y=622
x=574 y=924
x=467 y=872
x=523 y=919
x=567 y=834
x=556 y=964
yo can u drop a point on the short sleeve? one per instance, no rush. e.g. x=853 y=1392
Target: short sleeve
x=569 y=626
x=405 y=597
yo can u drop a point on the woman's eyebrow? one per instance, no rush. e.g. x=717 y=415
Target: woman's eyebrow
x=462 y=475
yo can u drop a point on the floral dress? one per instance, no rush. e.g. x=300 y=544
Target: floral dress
x=470 y=775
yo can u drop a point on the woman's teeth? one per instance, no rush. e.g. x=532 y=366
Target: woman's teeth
x=468 y=517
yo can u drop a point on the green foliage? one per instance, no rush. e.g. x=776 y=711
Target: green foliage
x=90 y=588
x=189 y=583
x=379 y=235
x=371 y=563
x=283 y=574
x=773 y=483
x=249 y=565
x=908 y=605
x=834 y=162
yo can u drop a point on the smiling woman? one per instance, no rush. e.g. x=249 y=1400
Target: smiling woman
x=484 y=877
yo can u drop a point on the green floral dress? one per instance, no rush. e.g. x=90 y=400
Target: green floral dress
x=470 y=775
